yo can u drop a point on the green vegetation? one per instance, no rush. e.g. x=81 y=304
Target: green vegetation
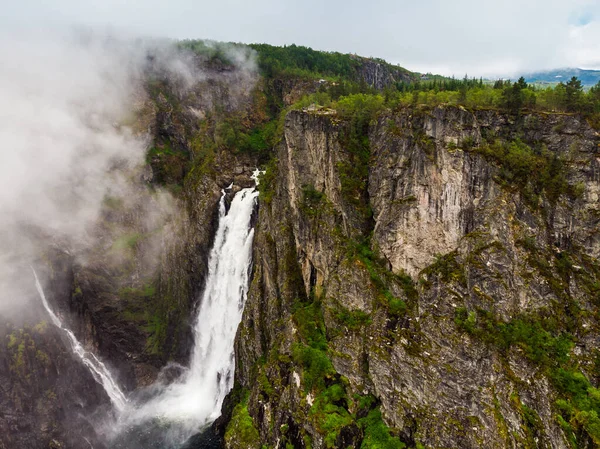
x=532 y=171
x=352 y=319
x=127 y=241
x=538 y=340
x=266 y=186
x=241 y=428
x=579 y=405
x=527 y=333
x=330 y=411
x=299 y=61
x=381 y=278
x=514 y=97
x=311 y=201
x=312 y=353
x=377 y=434
x=447 y=267
x=359 y=110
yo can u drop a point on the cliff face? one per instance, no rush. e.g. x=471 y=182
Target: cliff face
x=437 y=288
x=445 y=312
x=379 y=74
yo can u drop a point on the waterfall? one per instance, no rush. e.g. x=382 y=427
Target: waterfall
x=181 y=408
x=223 y=300
x=196 y=398
x=98 y=370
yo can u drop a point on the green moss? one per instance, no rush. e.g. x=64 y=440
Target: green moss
x=311 y=201
x=578 y=405
x=265 y=384
x=352 y=319
x=531 y=171
x=127 y=241
x=157 y=328
x=330 y=413
x=241 y=428
x=381 y=278
x=447 y=268
x=377 y=434
x=317 y=368
x=267 y=181
x=525 y=332
x=137 y=293
x=311 y=353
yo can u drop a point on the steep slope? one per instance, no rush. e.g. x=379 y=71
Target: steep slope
x=460 y=314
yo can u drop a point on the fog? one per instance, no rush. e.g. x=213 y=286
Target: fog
x=65 y=100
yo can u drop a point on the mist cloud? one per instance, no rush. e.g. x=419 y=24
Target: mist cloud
x=64 y=100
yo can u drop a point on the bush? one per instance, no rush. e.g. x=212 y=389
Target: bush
x=241 y=427
x=316 y=365
x=377 y=434
x=353 y=319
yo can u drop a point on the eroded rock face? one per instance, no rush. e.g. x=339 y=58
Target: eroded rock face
x=443 y=215
x=428 y=193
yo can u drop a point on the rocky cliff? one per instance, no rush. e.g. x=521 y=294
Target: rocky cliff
x=450 y=301
x=428 y=277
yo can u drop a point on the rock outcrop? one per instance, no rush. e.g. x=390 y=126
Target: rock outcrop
x=461 y=245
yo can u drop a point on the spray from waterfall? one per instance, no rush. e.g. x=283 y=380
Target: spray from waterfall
x=196 y=398
x=98 y=370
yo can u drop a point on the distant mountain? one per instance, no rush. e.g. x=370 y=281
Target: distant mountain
x=587 y=77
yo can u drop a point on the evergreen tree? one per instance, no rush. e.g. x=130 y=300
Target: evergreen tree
x=574 y=95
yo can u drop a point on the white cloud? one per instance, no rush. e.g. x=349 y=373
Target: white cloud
x=481 y=38
x=583 y=45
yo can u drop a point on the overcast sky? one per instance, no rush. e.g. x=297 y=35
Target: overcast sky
x=478 y=37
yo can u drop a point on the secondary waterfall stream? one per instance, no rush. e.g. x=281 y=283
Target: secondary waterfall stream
x=98 y=370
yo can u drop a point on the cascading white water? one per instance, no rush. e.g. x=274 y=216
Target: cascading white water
x=223 y=299
x=196 y=399
x=98 y=370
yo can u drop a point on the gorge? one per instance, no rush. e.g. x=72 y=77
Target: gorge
x=405 y=273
